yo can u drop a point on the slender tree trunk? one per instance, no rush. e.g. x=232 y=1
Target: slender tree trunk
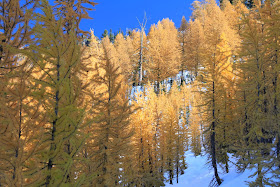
x=108 y=125
x=202 y=134
x=182 y=77
x=17 y=162
x=177 y=171
x=178 y=155
x=157 y=87
x=227 y=167
x=213 y=153
x=170 y=171
x=54 y=126
x=275 y=107
x=247 y=127
x=161 y=167
x=184 y=164
x=224 y=135
x=214 y=162
x=213 y=140
x=142 y=154
x=158 y=80
x=225 y=155
x=150 y=161
x=68 y=143
x=68 y=151
x=260 y=176
x=278 y=149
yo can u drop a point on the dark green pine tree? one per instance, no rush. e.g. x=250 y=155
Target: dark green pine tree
x=104 y=34
x=111 y=36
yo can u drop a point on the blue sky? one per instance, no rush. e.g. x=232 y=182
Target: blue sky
x=116 y=14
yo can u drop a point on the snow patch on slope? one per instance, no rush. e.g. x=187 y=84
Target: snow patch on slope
x=199 y=174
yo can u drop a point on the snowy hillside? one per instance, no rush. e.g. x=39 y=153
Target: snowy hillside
x=199 y=174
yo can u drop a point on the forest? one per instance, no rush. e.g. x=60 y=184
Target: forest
x=122 y=110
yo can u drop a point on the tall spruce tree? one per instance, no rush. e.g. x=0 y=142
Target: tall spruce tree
x=104 y=34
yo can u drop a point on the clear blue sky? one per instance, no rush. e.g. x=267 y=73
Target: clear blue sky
x=116 y=14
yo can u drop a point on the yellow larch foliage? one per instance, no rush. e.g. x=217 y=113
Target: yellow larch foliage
x=22 y=123
x=163 y=51
x=109 y=143
x=195 y=119
x=122 y=48
x=160 y=135
x=176 y=136
x=145 y=139
x=194 y=41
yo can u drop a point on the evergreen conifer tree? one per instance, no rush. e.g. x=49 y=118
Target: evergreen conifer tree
x=104 y=34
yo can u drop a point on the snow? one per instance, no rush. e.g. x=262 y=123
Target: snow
x=199 y=174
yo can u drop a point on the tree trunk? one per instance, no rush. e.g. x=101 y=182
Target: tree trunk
x=213 y=140
x=177 y=171
x=213 y=153
x=54 y=125
x=182 y=77
x=17 y=151
x=141 y=57
x=278 y=149
x=170 y=172
x=227 y=167
x=260 y=176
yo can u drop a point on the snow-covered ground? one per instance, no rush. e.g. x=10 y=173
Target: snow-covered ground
x=199 y=174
